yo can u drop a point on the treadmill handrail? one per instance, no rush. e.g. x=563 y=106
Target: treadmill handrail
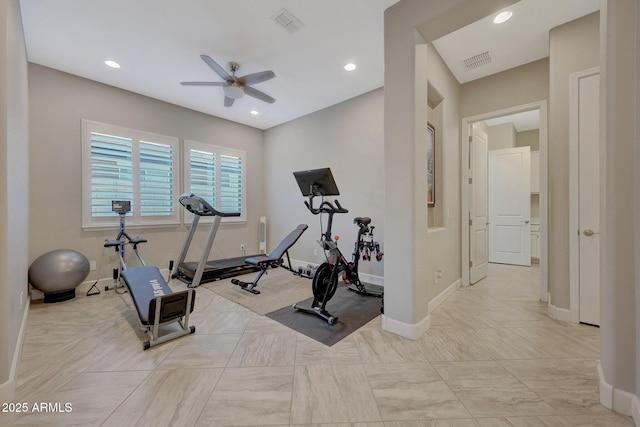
x=199 y=206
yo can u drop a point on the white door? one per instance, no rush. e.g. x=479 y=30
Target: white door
x=589 y=204
x=478 y=242
x=510 y=206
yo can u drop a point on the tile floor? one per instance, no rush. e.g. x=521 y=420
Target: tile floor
x=492 y=357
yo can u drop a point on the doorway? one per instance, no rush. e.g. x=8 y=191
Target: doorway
x=538 y=197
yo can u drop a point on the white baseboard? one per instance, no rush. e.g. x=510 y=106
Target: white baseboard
x=606 y=390
x=635 y=410
x=617 y=400
x=562 y=314
x=8 y=389
x=442 y=297
x=415 y=331
x=410 y=331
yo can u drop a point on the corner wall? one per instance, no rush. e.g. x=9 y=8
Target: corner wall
x=14 y=193
x=573 y=47
x=620 y=208
x=409 y=24
x=443 y=242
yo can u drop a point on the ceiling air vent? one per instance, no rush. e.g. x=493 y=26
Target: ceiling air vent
x=288 y=21
x=477 y=61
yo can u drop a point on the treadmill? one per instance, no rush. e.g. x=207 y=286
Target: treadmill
x=205 y=271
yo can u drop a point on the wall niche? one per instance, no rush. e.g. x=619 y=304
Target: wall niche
x=435 y=209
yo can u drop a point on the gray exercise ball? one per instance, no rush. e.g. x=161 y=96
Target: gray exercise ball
x=57 y=273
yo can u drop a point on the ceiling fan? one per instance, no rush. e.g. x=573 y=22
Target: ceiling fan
x=236 y=87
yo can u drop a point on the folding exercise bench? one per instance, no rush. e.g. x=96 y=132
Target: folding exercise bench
x=157 y=305
x=273 y=259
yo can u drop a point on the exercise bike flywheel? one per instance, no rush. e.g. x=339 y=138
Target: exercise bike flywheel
x=323 y=286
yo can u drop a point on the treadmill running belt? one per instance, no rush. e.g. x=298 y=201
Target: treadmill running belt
x=216 y=269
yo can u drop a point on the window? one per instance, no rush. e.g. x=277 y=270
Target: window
x=124 y=164
x=217 y=175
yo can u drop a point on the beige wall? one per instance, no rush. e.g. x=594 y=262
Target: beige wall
x=517 y=86
x=14 y=192
x=529 y=138
x=572 y=47
x=58 y=103
x=347 y=138
x=501 y=136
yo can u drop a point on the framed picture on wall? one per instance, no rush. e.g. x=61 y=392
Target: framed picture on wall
x=431 y=165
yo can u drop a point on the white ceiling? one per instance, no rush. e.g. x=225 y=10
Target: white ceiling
x=522 y=39
x=159 y=42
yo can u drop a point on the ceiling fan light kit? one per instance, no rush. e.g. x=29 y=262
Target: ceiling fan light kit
x=234 y=90
x=236 y=87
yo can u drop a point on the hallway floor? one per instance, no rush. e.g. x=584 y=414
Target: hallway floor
x=492 y=357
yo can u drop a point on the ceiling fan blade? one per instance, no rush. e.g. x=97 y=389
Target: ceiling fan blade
x=215 y=67
x=251 y=79
x=228 y=102
x=203 y=83
x=258 y=94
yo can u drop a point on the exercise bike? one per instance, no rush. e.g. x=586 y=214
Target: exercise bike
x=365 y=248
x=320 y=182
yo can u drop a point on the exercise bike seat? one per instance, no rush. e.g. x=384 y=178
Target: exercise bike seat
x=362 y=220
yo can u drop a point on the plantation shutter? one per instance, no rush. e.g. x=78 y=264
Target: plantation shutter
x=111 y=172
x=203 y=175
x=156 y=179
x=231 y=169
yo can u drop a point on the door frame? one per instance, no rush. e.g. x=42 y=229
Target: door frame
x=574 y=201
x=464 y=190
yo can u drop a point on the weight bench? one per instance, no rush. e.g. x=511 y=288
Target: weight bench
x=273 y=259
x=157 y=305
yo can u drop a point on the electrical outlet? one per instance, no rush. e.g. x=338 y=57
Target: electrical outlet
x=438 y=275
x=242 y=246
x=92 y=265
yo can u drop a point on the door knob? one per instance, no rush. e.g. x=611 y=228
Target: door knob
x=588 y=233
x=526 y=221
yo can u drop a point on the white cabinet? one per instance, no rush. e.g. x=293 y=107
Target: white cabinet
x=535 y=171
x=535 y=240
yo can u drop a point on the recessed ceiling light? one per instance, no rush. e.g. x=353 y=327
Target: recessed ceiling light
x=502 y=17
x=255 y=112
x=112 y=64
x=350 y=66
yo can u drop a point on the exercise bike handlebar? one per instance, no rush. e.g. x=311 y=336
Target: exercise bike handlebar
x=325 y=207
x=199 y=206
